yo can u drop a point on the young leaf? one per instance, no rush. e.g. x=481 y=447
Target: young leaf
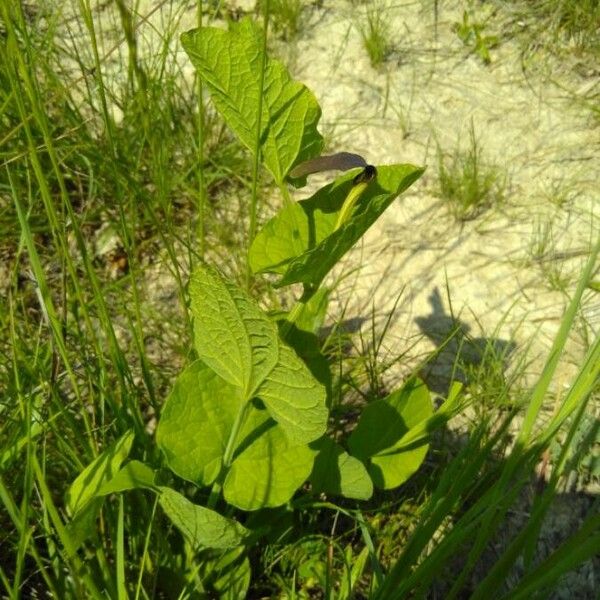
x=230 y=63
x=232 y=335
x=378 y=437
x=269 y=468
x=304 y=245
x=202 y=527
x=134 y=475
x=336 y=472
x=196 y=422
x=84 y=524
x=294 y=398
x=87 y=484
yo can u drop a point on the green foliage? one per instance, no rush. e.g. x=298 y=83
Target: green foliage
x=471 y=35
x=376 y=34
x=288 y=121
x=202 y=528
x=245 y=418
x=100 y=471
x=248 y=465
x=378 y=437
x=301 y=242
x=467 y=184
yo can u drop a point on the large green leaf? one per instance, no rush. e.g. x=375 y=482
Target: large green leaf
x=201 y=526
x=294 y=398
x=196 y=422
x=336 y=472
x=230 y=63
x=232 y=335
x=379 y=437
x=85 y=487
x=301 y=242
x=269 y=467
x=241 y=344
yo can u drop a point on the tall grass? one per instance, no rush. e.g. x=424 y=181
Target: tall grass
x=88 y=148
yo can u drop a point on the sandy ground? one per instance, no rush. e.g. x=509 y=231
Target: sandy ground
x=428 y=95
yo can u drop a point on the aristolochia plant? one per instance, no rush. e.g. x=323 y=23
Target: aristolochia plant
x=247 y=421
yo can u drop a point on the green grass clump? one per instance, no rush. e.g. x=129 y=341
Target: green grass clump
x=467 y=184
x=376 y=34
x=285 y=16
x=564 y=26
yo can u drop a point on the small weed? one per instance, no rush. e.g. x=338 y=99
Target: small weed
x=471 y=34
x=564 y=27
x=285 y=17
x=467 y=184
x=543 y=251
x=575 y=21
x=376 y=35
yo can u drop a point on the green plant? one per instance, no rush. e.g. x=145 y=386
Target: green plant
x=86 y=359
x=471 y=34
x=467 y=184
x=284 y=15
x=246 y=422
x=543 y=251
x=376 y=35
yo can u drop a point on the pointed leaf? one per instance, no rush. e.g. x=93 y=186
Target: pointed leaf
x=336 y=472
x=304 y=245
x=196 y=422
x=134 y=475
x=102 y=469
x=84 y=524
x=232 y=335
x=379 y=435
x=294 y=398
x=202 y=527
x=269 y=468
x=230 y=63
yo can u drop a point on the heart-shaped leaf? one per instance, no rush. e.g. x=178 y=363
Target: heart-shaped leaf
x=378 y=439
x=232 y=335
x=196 y=422
x=269 y=468
x=241 y=344
x=302 y=243
x=336 y=472
x=294 y=398
x=230 y=63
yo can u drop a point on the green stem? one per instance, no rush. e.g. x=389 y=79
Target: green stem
x=294 y=314
x=227 y=456
x=253 y=201
x=201 y=186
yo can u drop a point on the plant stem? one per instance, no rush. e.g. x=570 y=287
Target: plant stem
x=253 y=201
x=227 y=456
x=292 y=317
x=201 y=187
